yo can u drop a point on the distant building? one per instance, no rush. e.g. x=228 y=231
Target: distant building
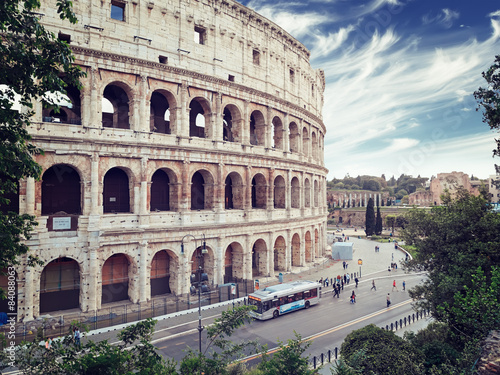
x=444 y=182
x=493 y=190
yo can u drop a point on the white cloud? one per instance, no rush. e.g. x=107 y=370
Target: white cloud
x=444 y=18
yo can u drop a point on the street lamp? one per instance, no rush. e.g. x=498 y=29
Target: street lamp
x=198 y=280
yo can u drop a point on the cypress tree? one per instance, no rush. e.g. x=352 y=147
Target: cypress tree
x=378 y=223
x=370 y=218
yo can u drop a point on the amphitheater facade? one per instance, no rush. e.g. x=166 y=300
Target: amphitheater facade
x=198 y=127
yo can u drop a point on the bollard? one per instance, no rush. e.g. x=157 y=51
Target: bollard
x=396 y=325
x=329 y=355
x=413 y=317
x=387 y=327
x=392 y=326
x=322 y=359
x=336 y=353
x=401 y=323
x=405 y=321
x=314 y=362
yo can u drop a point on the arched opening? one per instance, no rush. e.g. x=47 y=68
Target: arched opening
x=279 y=192
x=116 y=196
x=198 y=118
x=233 y=263
x=61 y=190
x=316 y=194
x=296 y=250
x=307 y=193
x=294 y=137
x=159 y=113
x=60 y=285
x=259 y=258
x=228 y=193
x=277 y=133
x=197 y=192
x=314 y=146
x=295 y=198
x=308 y=247
x=69 y=107
x=160 y=191
x=118 y=115
x=305 y=142
x=231 y=124
x=257 y=129
x=259 y=191
x=160 y=273
x=204 y=261
x=279 y=253
x=115 y=279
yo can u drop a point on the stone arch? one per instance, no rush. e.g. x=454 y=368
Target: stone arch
x=202 y=190
x=60 y=285
x=61 y=190
x=257 y=128
x=279 y=192
x=277 y=132
x=232 y=122
x=199 y=118
x=116 y=191
x=259 y=258
x=296 y=250
x=294 y=137
x=308 y=247
x=314 y=146
x=316 y=193
x=118 y=95
x=233 y=263
x=295 y=193
x=161 y=113
x=160 y=191
x=259 y=191
x=279 y=254
x=305 y=141
x=307 y=193
x=205 y=260
x=69 y=110
x=162 y=273
x=116 y=274
x=167 y=192
x=233 y=191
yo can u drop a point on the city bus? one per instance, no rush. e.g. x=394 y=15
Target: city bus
x=280 y=299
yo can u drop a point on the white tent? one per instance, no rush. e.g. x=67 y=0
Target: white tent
x=342 y=250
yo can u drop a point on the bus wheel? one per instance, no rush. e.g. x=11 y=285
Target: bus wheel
x=307 y=304
x=276 y=314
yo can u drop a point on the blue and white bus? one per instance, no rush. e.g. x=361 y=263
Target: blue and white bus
x=280 y=299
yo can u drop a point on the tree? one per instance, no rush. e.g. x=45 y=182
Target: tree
x=370 y=218
x=489 y=100
x=33 y=63
x=384 y=352
x=451 y=242
x=378 y=223
x=390 y=221
x=288 y=359
x=401 y=193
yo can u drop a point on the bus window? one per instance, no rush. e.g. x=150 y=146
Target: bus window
x=265 y=305
x=314 y=292
x=276 y=303
x=283 y=301
x=307 y=294
x=298 y=296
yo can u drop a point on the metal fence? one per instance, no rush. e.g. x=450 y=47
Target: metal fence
x=333 y=354
x=59 y=325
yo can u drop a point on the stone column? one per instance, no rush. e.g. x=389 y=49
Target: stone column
x=96 y=207
x=91 y=283
x=28 y=295
x=144 y=291
x=183 y=121
x=143 y=120
x=30 y=196
x=286 y=134
x=143 y=204
x=95 y=110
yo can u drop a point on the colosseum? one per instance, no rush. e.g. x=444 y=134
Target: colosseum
x=198 y=129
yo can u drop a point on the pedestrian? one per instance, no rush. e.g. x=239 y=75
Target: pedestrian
x=326 y=282
x=345 y=278
x=342 y=283
x=404 y=285
x=338 y=279
x=348 y=278
x=48 y=343
x=375 y=248
x=394 y=286
x=321 y=281
x=331 y=280
x=346 y=265
x=388 y=299
x=77 y=337
x=343 y=264
x=356 y=281
x=353 y=297
x=373 y=285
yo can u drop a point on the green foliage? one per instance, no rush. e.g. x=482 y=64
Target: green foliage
x=452 y=241
x=32 y=64
x=378 y=223
x=370 y=218
x=489 y=100
x=288 y=360
x=384 y=352
x=401 y=193
x=390 y=221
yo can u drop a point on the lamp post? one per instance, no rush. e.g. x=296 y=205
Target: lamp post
x=197 y=281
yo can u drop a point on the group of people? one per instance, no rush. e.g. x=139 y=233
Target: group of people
x=377 y=249
x=76 y=337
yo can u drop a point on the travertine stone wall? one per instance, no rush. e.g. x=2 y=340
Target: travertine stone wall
x=261 y=103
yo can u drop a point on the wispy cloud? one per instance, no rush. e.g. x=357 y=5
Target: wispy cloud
x=445 y=18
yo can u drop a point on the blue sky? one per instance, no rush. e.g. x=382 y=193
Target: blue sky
x=399 y=81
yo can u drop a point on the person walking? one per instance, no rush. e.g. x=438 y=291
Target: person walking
x=388 y=299
x=353 y=297
x=356 y=281
x=373 y=285
x=77 y=337
x=348 y=279
x=394 y=286
x=404 y=285
x=342 y=283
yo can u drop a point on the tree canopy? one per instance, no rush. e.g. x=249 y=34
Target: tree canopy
x=34 y=62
